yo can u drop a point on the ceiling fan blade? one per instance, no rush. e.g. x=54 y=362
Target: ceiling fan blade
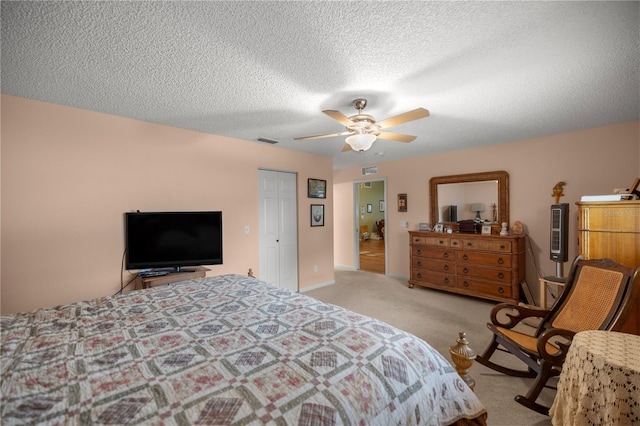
x=339 y=117
x=322 y=136
x=397 y=137
x=404 y=118
x=346 y=147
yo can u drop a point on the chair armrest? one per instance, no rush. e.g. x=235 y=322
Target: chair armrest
x=514 y=318
x=556 y=358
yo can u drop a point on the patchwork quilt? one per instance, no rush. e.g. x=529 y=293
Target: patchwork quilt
x=225 y=350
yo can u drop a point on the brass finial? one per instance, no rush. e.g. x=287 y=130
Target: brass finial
x=463 y=357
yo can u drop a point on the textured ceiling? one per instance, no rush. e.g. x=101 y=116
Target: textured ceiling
x=489 y=72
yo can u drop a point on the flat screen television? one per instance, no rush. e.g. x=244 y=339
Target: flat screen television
x=173 y=239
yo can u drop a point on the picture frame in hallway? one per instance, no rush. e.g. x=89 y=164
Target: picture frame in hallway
x=317 y=215
x=316 y=188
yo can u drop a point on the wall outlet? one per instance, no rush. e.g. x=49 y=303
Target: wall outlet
x=404 y=223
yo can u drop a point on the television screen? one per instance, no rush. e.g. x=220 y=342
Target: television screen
x=173 y=239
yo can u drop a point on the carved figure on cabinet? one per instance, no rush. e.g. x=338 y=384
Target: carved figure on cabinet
x=557 y=191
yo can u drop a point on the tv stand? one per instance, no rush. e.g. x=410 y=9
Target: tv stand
x=173 y=277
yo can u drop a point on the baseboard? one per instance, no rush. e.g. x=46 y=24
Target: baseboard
x=316 y=286
x=399 y=277
x=345 y=267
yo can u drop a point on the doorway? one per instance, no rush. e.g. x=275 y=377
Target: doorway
x=278 y=242
x=371 y=247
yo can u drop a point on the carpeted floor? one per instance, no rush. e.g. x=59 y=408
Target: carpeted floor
x=436 y=317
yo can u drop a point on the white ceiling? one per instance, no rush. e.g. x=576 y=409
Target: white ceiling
x=489 y=72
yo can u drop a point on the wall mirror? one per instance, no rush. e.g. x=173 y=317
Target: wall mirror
x=459 y=197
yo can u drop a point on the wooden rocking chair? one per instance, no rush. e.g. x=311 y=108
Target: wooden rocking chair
x=598 y=295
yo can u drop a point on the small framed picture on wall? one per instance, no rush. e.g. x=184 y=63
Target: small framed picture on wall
x=402 y=202
x=317 y=215
x=316 y=188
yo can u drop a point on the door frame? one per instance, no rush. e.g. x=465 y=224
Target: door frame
x=356 y=221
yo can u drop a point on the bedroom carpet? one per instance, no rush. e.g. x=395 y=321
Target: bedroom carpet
x=436 y=317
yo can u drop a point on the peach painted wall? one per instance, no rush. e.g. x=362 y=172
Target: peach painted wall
x=592 y=161
x=68 y=176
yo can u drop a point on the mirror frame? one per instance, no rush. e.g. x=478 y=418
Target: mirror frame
x=503 y=193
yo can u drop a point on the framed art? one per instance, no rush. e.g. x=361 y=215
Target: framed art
x=316 y=188
x=317 y=215
x=382 y=205
x=369 y=208
x=402 y=202
x=486 y=229
x=439 y=227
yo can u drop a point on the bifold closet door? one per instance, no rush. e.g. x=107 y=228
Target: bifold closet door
x=278 y=228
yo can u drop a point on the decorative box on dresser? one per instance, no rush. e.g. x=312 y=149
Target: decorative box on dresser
x=487 y=266
x=612 y=230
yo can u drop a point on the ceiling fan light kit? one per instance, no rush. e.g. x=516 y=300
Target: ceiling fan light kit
x=364 y=130
x=361 y=142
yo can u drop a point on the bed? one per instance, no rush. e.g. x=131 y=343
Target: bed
x=225 y=350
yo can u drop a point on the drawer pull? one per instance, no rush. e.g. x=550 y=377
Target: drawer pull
x=500 y=260
x=446 y=280
x=446 y=267
x=419 y=275
x=466 y=284
x=465 y=257
x=470 y=244
x=454 y=243
x=419 y=263
x=500 y=290
x=465 y=270
x=446 y=254
x=503 y=247
x=500 y=275
x=418 y=252
x=441 y=242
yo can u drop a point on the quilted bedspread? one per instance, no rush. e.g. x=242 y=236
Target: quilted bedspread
x=226 y=350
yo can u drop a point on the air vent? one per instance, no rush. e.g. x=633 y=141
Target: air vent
x=265 y=140
x=370 y=170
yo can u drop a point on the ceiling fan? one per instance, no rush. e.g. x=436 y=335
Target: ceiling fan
x=362 y=129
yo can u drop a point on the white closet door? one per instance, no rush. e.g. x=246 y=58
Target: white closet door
x=278 y=228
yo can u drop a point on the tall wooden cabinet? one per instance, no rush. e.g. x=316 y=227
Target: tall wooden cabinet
x=486 y=266
x=612 y=230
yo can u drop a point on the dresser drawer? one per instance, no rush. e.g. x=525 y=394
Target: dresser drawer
x=488 y=259
x=433 y=253
x=437 y=279
x=478 y=286
x=503 y=246
x=437 y=241
x=415 y=240
x=435 y=265
x=493 y=274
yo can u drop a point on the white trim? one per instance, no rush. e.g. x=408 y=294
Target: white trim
x=316 y=286
x=400 y=277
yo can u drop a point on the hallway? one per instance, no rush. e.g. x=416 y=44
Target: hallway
x=372 y=257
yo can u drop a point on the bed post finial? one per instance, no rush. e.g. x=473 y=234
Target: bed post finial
x=250 y=273
x=463 y=357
